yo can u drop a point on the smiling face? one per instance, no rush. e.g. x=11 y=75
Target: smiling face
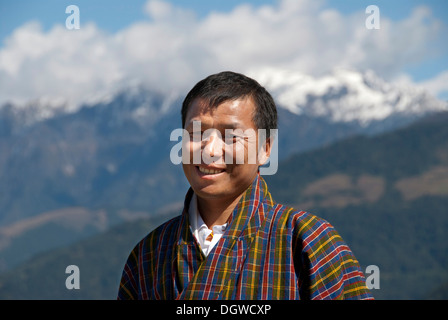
x=226 y=144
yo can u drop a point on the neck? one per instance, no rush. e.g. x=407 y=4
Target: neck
x=216 y=212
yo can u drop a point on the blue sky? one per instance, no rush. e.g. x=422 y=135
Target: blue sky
x=113 y=15
x=423 y=64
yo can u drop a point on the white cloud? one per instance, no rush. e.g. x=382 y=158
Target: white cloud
x=173 y=49
x=437 y=86
x=59 y=64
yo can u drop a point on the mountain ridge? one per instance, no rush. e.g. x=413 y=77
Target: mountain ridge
x=344 y=95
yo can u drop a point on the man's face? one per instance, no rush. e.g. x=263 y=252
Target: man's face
x=226 y=140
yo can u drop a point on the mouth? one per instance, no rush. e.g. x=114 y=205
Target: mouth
x=209 y=171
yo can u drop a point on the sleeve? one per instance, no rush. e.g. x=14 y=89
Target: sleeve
x=128 y=289
x=328 y=268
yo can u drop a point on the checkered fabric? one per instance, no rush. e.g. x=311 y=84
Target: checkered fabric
x=269 y=251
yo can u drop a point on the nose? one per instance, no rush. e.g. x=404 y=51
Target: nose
x=213 y=147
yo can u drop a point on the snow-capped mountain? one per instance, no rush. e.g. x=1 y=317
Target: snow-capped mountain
x=347 y=96
x=342 y=96
x=136 y=103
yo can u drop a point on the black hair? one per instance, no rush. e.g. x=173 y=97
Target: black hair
x=224 y=86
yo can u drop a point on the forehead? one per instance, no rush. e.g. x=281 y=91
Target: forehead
x=239 y=112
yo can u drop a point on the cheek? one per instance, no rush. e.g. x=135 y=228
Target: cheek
x=191 y=152
x=244 y=153
x=237 y=155
x=193 y=146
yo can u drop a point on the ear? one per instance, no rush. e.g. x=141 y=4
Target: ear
x=264 y=151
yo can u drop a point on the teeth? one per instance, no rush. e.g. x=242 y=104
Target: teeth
x=209 y=171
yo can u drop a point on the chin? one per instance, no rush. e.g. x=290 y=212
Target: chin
x=210 y=192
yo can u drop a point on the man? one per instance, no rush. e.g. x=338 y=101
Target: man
x=232 y=240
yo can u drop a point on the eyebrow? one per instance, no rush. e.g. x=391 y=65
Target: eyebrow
x=227 y=125
x=231 y=125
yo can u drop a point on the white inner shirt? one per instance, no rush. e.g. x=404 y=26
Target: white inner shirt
x=206 y=238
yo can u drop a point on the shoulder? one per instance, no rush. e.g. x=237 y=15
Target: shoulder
x=303 y=223
x=145 y=256
x=332 y=269
x=161 y=235
x=311 y=234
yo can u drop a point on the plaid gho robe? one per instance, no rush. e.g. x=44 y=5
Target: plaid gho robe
x=268 y=251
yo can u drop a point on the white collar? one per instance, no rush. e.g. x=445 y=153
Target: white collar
x=200 y=229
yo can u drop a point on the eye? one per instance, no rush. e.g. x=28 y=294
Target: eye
x=234 y=138
x=196 y=134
